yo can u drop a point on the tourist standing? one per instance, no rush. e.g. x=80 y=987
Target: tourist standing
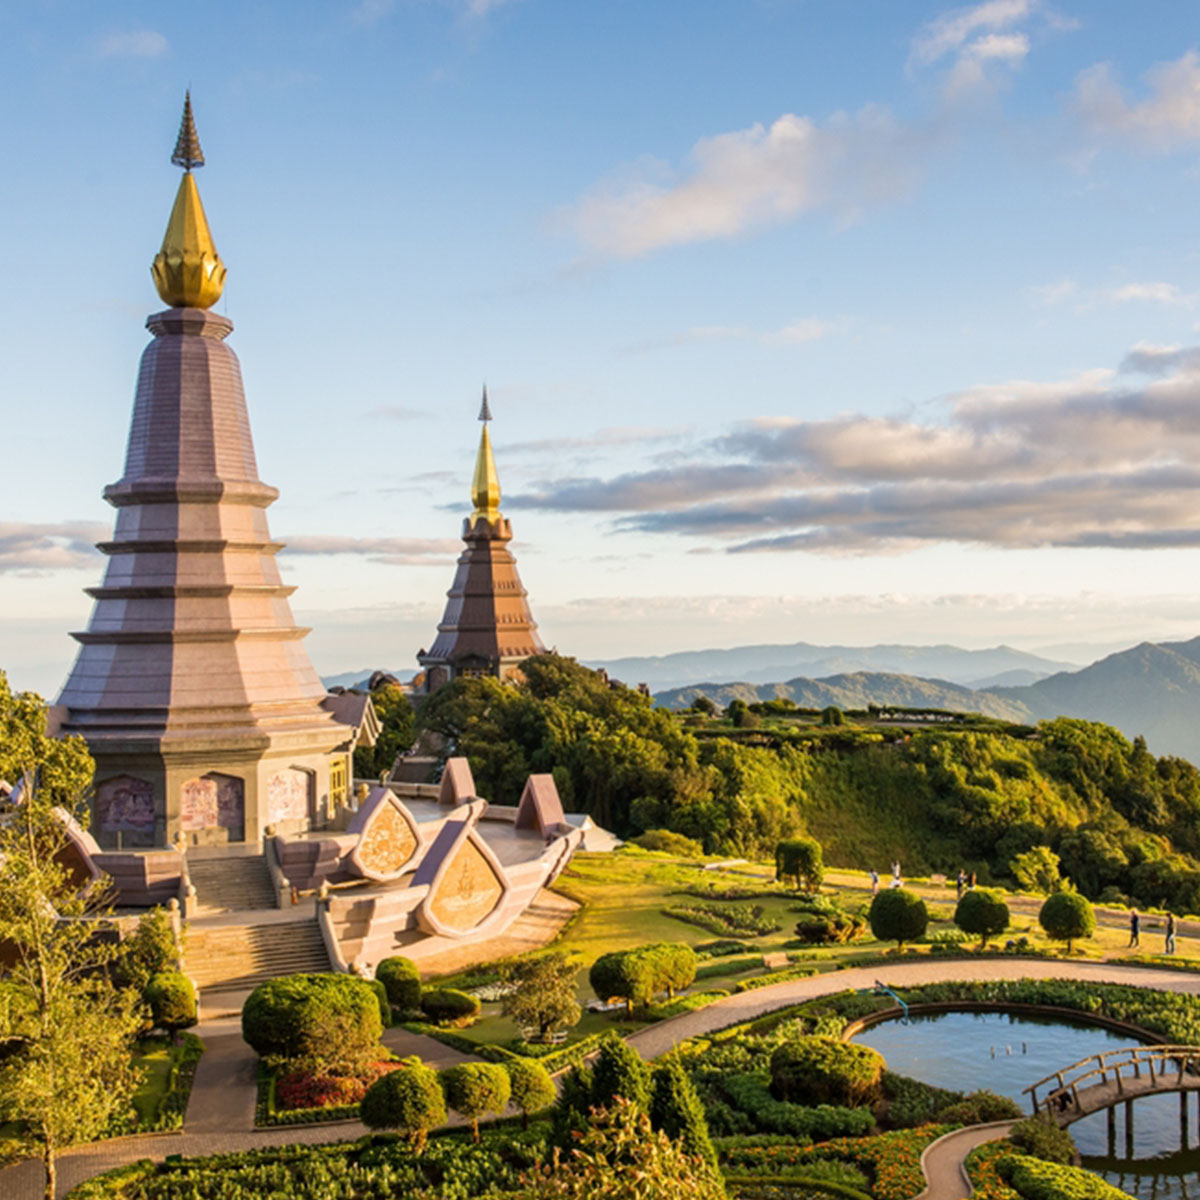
x=971 y=883
x=874 y=882
x=1169 y=948
x=961 y=881
x=1135 y=924
x=896 y=881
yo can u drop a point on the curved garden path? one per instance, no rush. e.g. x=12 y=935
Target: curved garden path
x=220 y=1116
x=942 y=1162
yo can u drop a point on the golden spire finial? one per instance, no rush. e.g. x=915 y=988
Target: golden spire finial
x=187 y=271
x=485 y=488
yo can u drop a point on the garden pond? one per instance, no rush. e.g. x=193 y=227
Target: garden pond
x=1007 y=1052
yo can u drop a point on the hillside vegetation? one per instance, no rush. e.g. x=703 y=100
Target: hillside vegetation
x=973 y=793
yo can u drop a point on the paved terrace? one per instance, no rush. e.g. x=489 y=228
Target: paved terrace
x=220 y=1117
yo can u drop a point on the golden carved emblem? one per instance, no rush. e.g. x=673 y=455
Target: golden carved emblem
x=387 y=843
x=469 y=889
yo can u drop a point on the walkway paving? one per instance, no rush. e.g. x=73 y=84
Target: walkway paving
x=943 y=1160
x=221 y=1113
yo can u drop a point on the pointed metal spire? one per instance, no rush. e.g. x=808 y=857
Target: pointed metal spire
x=187 y=146
x=485 y=486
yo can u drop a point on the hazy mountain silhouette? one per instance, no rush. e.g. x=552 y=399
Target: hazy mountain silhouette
x=1151 y=689
x=770 y=663
x=855 y=691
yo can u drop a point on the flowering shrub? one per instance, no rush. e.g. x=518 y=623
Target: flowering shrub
x=893 y=1158
x=982 y=1171
x=304 y=1089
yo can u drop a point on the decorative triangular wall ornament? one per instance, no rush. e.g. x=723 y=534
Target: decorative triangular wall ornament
x=467 y=883
x=540 y=808
x=458 y=784
x=388 y=837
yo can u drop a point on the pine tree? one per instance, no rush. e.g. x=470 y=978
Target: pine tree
x=676 y=1110
x=619 y=1071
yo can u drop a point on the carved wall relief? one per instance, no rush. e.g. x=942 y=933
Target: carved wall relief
x=125 y=804
x=468 y=890
x=213 y=801
x=289 y=794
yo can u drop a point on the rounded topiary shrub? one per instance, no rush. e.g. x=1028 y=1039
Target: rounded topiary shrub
x=403 y=983
x=983 y=912
x=447 y=1006
x=474 y=1089
x=1066 y=916
x=172 y=1001
x=328 y=1020
x=409 y=1100
x=819 y=1070
x=898 y=915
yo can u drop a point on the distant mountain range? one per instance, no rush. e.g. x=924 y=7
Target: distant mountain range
x=1150 y=689
x=769 y=663
x=854 y=691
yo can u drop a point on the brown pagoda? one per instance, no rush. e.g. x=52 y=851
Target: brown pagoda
x=192 y=687
x=487 y=628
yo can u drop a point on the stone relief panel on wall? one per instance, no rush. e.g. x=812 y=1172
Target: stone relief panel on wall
x=213 y=801
x=288 y=795
x=387 y=836
x=125 y=804
x=468 y=890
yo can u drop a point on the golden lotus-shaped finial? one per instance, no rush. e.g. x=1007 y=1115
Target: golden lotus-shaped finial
x=188 y=271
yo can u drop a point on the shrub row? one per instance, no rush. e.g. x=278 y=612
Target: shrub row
x=751 y=1094
x=780 y=976
x=746 y=922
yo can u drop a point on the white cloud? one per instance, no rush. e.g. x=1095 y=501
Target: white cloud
x=1143 y=292
x=394 y=551
x=142 y=43
x=951 y=32
x=35 y=548
x=1093 y=460
x=1168 y=116
x=756 y=177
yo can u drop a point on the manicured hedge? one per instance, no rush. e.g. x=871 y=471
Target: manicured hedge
x=446 y=1006
x=1033 y=1179
x=751 y=1094
x=818 y=1070
x=402 y=981
x=330 y=1017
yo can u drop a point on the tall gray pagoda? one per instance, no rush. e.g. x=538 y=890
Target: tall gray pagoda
x=487 y=628
x=192 y=686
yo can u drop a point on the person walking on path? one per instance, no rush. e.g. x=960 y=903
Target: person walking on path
x=1135 y=925
x=961 y=881
x=1169 y=948
x=874 y=882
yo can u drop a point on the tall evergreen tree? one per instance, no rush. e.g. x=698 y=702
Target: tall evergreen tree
x=676 y=1110
x=619 y=1070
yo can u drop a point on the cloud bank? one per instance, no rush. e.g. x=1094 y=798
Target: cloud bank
x=35 y=549
x=1107 y=458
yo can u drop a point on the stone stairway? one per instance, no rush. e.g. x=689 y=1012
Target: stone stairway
x=224 y=958
x=237 y=883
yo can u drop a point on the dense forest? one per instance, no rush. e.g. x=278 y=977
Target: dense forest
x=1123 y=823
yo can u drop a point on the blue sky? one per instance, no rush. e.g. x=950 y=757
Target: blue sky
x=840 y=321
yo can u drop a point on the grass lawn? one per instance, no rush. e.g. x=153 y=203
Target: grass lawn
x=622 y=895
x=154 y=1057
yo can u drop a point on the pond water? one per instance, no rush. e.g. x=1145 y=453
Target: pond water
x=1006 y=1053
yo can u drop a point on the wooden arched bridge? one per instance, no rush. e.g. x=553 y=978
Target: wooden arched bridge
x=1114 y=1077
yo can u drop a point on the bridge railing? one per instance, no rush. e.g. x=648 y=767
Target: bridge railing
x=1118 y=1067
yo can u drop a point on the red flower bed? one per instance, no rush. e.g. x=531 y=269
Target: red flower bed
x=302 y=1089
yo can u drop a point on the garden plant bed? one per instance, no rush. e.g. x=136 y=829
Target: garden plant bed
x=300 y=1098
